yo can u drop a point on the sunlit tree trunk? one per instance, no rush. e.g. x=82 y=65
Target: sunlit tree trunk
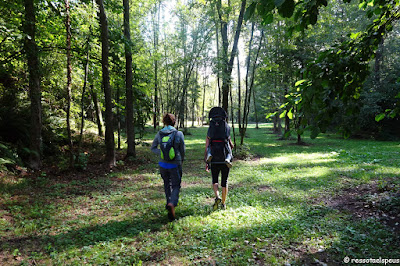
x=109 y=137
x=35 y=94
x=97 y=108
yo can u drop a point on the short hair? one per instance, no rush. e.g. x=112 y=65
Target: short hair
x=169 y=119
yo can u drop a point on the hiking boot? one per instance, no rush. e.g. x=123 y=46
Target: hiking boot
x=215 y=205
x=228 y=163
x=223 y=206
x=171 y=212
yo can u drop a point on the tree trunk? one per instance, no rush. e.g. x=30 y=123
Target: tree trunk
x=233 y=122
x=69 y=82
x=277 y=125
x=85 y=79
x=249 y=87
x=239 y=103
x=156 y=108
x=218 y=65
x=247 y=95
x=255 y=108
x=299 y=141
x=130 y=128
x=118 y=121
x=378 y=63
x=205 y=83
x=35 y=94
x=99 y=116
x=287 y=119
x=109 y=137
x=228 y=63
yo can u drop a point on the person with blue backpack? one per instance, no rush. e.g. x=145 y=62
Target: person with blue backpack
x=172 y=154
x=218 y=153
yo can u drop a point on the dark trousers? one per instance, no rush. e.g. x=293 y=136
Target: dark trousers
x=172 y=183
x=219 y=168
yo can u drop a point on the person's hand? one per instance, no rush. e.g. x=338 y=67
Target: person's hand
x=207 y=168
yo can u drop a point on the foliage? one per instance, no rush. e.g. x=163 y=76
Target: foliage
x=9 y=157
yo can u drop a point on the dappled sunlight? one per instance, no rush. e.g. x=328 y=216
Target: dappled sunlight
x=238 y=218
x=299 y=159
x=195 y=141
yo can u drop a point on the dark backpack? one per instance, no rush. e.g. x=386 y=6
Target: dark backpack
x=218 y=133
x=218 y=129
x=167 y=145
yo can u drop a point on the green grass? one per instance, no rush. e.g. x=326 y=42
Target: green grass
x=279 y=209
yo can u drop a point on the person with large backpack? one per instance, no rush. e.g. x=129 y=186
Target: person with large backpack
x=218 y=153
x=172 y=154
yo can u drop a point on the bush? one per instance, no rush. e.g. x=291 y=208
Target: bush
x=242 y=152
x=8 y=157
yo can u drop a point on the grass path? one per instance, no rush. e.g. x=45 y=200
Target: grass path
x=290 y=204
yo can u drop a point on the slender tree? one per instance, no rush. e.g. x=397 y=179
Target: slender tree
x=156 y=21
x=128 y=82
x=85 y=81
x=227 y=61
x=250 y=76
x=69 y=80
x=109 y=136
x=97 y=108
x=35 y=94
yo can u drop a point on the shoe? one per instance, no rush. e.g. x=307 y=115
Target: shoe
x=209 y=158
x=171 y=212
x=223 y=207
x=228 y=163
x=215 y=205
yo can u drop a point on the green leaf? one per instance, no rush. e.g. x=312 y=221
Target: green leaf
x=355 y=35
x=268 y=19
x=286 y=9
x=250 y=11
x=300 y=82
x=270 y=115
x=379 y=117
x=290 y=113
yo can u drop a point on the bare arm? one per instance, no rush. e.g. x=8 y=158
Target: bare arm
x=205 y=151
x=230 y=143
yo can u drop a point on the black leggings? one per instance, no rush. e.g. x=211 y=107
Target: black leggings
x=215 y=169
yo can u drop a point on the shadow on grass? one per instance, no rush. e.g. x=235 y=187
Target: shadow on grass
x=86 y=236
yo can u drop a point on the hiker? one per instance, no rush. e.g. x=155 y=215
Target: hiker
x=218 y=153
x=172 y=154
